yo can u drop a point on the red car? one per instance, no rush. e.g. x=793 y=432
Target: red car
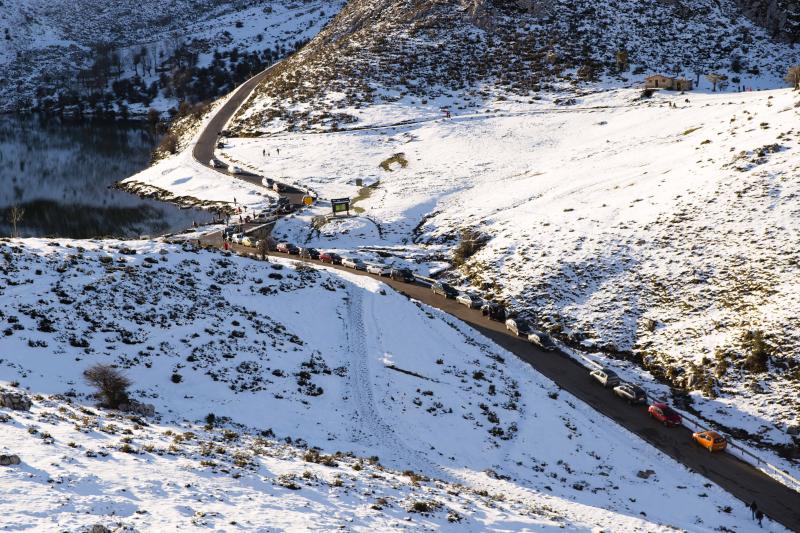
x=664 y=414
x=330 y=257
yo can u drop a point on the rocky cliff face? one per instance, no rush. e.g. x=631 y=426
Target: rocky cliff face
x=780 y=17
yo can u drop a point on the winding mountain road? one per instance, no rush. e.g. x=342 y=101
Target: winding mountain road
x=778 y=502
x=203 y=150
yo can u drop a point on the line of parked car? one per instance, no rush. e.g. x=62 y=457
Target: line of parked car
x=332 y=258
x=659 y=411
x=233 y=169
x=379 y=269
x=236 y=236
x=523 y=328
x=495 y=311
x=633 y=394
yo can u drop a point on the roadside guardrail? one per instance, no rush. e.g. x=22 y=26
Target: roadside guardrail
x=746 y=455
x=423 y=279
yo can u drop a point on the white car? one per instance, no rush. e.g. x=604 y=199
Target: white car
x=542 y=340
x=236 y=238
x=471 y=301
x=518 y=326
x=216 y=163
x=357 y=264
x=233 y=169
x=267 y=182
x=607 y=378
x=381 y=270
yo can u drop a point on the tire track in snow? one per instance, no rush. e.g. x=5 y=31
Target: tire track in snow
x=370 y=426
x=472 y=337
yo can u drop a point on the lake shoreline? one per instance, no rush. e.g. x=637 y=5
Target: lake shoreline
x=63 y=173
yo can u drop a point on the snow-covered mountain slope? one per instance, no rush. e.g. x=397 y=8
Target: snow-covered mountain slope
x=407 y=54
x=287 y=357
x=96 y=56
x=662 y=230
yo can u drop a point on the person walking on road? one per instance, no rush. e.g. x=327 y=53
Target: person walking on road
x=759 y=517
x=753 y=509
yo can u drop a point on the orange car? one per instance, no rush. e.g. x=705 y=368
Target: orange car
x=710 y=440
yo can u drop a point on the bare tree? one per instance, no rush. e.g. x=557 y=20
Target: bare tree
x=15 y=214
x=136 y=59
x=116 y=62
x=263 y=248
x=111 y=384
x=169 y=144
x=152 y=58
x=153 y=118
x=622 y=60
x=793 y=76
x=148 y=59
x=714 y=79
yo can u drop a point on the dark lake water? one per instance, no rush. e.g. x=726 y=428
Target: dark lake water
x=61 y=174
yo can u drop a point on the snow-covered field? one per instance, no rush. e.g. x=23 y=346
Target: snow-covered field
x=288 y=357
x=183 y=180
x=658 y=233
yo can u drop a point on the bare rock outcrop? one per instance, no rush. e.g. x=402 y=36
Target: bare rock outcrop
x=9 y=460
x=17 y=401
x=780 y=17
x=144 y=409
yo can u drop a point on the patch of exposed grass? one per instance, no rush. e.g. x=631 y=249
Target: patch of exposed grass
x=470 y=242
x=400 y=159
x=363 y=194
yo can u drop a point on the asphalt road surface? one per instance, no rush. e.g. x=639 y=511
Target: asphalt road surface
x=777 y=501
x=203 y=150
x=739 y=478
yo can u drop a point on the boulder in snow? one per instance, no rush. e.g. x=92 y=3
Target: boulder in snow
x=9 y=460
x=15 y=400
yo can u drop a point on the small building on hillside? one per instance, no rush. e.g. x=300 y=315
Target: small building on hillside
x=659 y=81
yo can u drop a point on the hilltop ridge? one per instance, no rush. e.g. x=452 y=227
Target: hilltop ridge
x=448 y=53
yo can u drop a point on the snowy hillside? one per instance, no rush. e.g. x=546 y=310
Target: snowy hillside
x=97 y=56
x=403 y=57
x=446 y=429
x=660 y=230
